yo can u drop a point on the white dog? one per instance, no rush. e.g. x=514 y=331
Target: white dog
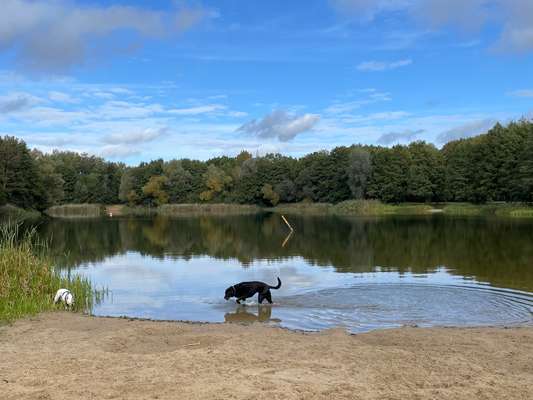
x=65 y=297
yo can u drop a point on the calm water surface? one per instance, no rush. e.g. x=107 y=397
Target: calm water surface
x=360 y=274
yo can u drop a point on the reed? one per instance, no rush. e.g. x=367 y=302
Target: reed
x=508 y=210
x=16 y=214
x=28 y=281
x=377 y=208
x=203 y=209
x=303 y=207
x=75 y=211
x=354 y=208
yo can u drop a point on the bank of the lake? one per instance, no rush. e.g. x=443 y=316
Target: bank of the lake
x=70 y=356
x=369 y=208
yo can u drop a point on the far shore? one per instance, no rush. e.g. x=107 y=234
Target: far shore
x=63 y=355
x=368 y=208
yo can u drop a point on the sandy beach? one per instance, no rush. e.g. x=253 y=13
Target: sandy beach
x=68 y=356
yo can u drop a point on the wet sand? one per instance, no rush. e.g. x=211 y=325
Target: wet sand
x=69 y=356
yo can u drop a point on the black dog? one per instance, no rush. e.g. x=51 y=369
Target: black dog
x=244 y=290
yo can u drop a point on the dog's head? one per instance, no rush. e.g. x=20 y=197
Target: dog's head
x=230 y=292
x=69 y=299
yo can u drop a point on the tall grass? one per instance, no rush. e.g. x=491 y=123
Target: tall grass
x=303 y=207
x=12 y=213
x=76 y=211
x=202 y=209
x=28 y=281
x=354 y=208
x=509 y=210
x=377 y=208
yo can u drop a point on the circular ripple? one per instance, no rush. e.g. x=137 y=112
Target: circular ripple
x=370 y=306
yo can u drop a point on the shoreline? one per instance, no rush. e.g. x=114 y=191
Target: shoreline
x=350 y=208
x=62 y=355
x=273 y=325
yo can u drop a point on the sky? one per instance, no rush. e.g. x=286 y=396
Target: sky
x=136 y=80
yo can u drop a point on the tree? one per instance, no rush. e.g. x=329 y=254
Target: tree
x=127 y=187
x=51 y=180
x=20 y=180
x=287 y=191
x=525 y=171
x=216 y=181
x=425 y=173
x=179 y=181
x=389 y=176
x=270 y=195
x=154 y=190
x=358 y=172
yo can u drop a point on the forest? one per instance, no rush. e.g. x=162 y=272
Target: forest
x=495 y=166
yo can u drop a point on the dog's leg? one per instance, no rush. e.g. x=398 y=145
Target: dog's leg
x=260 y=298
x=268 y=296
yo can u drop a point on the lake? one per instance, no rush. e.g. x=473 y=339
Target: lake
x=356 y=273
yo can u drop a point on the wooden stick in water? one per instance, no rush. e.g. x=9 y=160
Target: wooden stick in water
x=287 y=239
x=287 y=222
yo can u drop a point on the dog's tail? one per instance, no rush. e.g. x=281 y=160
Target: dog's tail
x=276 y=287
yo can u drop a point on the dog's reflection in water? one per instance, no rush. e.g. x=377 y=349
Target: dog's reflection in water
x=243 y=314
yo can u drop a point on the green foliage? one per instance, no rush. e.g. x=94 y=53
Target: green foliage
x=425 y=175
x=20 y=182
x=216 y=182
x=496 y=166
x=359 y=167
x=155 y=190
x=390 y=174
x=270 y=195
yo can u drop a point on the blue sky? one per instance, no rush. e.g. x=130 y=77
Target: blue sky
x=137 y=80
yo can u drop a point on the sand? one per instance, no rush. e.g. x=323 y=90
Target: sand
x=68 y=356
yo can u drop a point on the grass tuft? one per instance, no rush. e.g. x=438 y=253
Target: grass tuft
x=28 y=281
x=75 y=211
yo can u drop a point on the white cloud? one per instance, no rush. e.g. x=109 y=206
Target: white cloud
x=145 y=135
x=371 y=96
x=61 y=97
x=396 y=137
x=511 y=17
x=198 y=109
x=57 y=35
x=281 y=125
x=383 y=66
x=366 y=10
x=469 y=129
x=124 y=109
x=376 y=117
x=118 y=151
x=16 y=102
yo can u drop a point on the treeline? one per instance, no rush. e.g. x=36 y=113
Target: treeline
x=496 y=166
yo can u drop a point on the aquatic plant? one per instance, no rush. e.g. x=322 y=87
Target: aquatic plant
x=28 y=280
